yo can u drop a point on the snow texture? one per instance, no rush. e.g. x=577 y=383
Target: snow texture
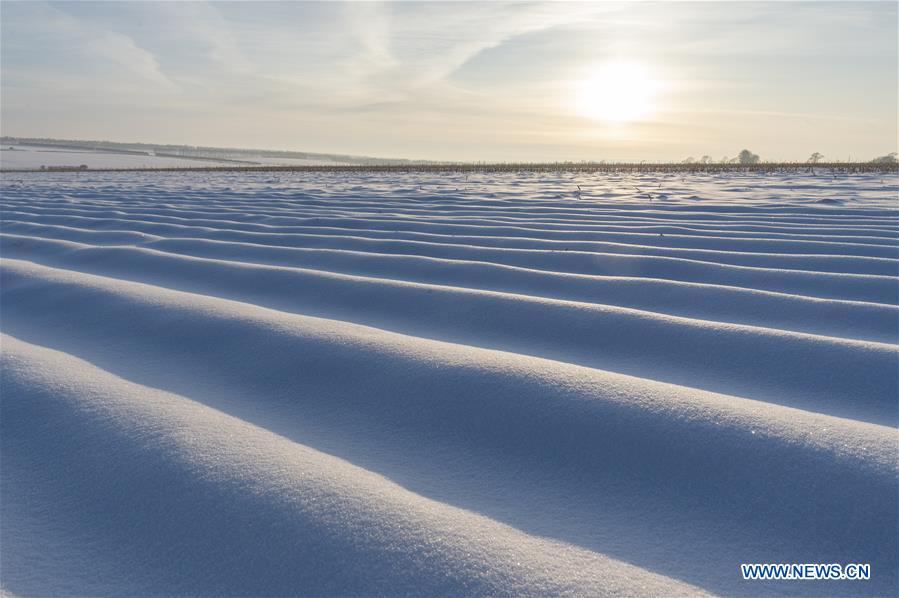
x=406 y=384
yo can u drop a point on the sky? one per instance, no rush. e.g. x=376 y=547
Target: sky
x=492 y=81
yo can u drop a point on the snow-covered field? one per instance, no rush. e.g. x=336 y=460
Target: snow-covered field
x=25 y=157
x=334 y=384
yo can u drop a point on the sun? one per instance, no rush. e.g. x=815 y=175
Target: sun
x=618 y=92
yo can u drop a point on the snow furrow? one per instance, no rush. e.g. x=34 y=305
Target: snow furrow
x=596 y=437
x=823 y=374
x=876 y=248
x=305 y=270
x=804 y=262
x=808 y=262
x=825 y=285
x=544 y=229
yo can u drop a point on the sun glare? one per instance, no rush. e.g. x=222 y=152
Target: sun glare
x=618 y=92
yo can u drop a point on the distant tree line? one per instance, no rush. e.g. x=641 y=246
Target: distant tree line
x=746 y=157
x=554 y=167
x=888 y=159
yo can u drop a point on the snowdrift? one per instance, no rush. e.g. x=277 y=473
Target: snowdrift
x=381 y=385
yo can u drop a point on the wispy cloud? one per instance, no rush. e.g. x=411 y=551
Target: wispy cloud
x=88 y=43
x=203 y=24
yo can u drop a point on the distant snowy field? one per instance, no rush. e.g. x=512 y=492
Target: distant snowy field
x=24 y=157
x=334 y=384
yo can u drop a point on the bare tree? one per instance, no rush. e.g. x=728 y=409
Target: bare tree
x=815 y=158
x=888 y=159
